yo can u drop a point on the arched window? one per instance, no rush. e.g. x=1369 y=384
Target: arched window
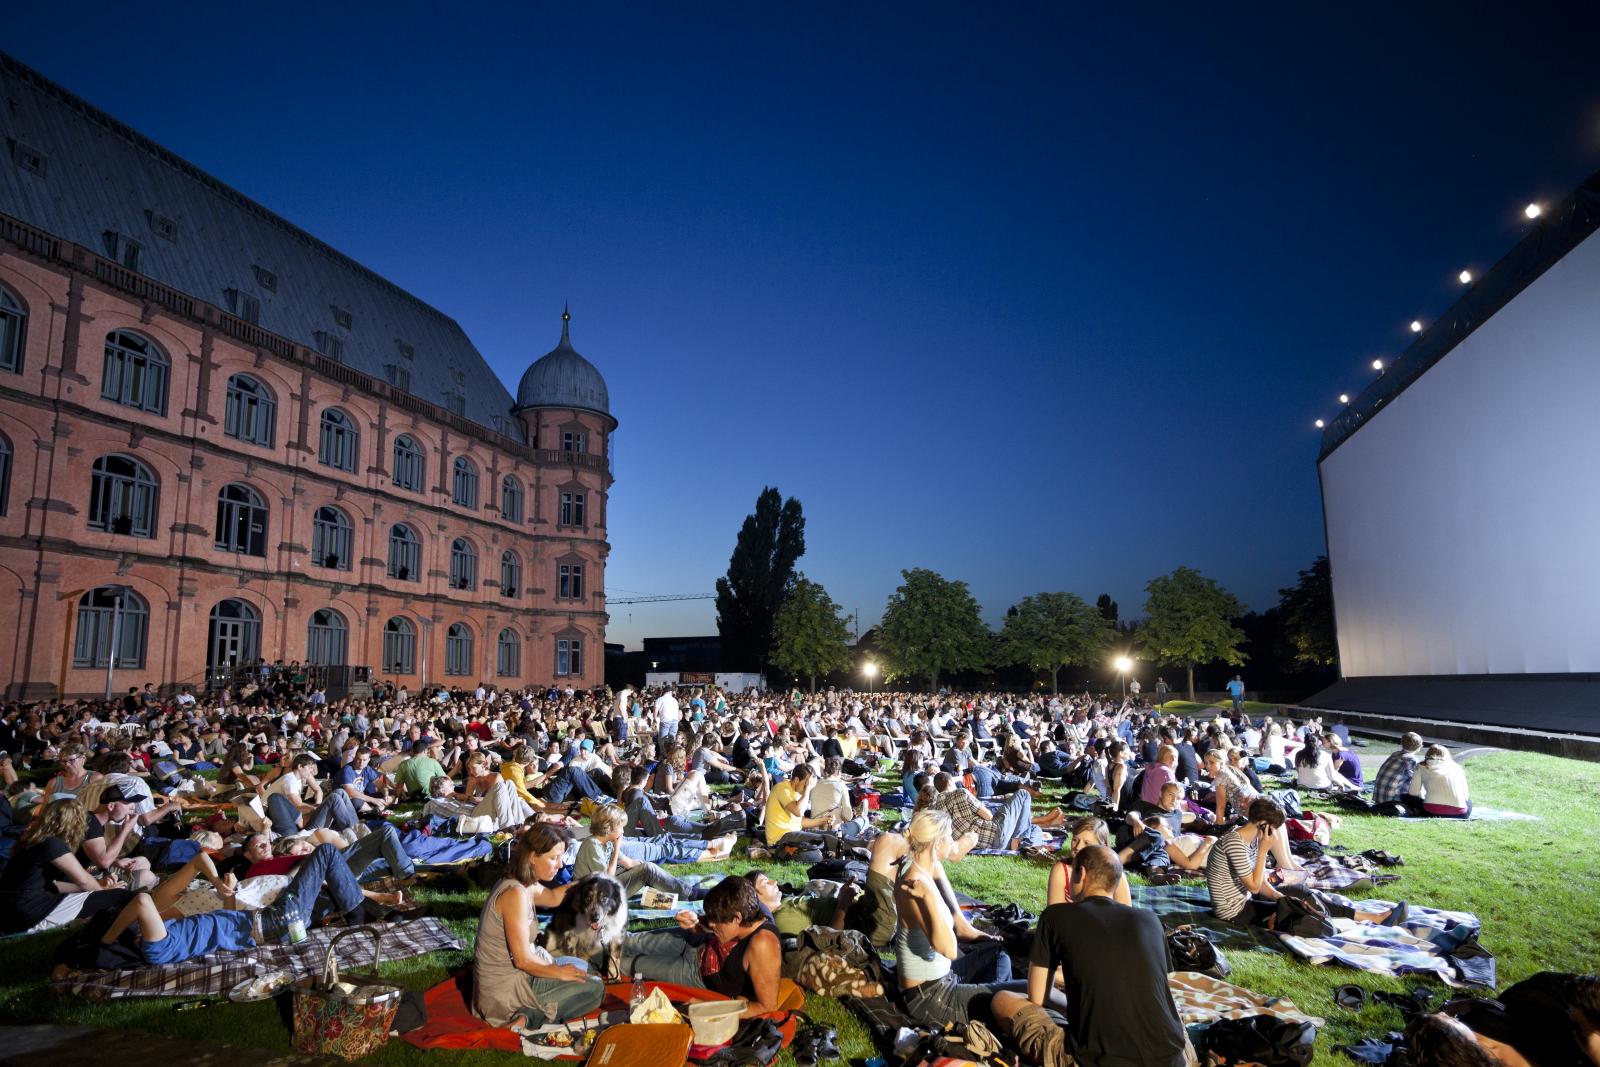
x=463 y=564
x=407 y=472
x=510 y=499
x=122 y=497
x=5 y=472
x=458 y=649
x=13 y=330
x=339 y=442
x=331 y=538
x=464 y=487
x=327 y=639
x=135 y=372
x=251 y=413
x=510 y=574
x=569 y=581
x=234 y=637
x=399 y=646
x=106 y=611
x=508 y=654
x=569 y=655
x=405 y=554
x=241 y=521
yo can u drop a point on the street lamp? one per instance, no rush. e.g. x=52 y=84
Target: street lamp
x=870 y=669
x=117 y=593
x=1123 y=665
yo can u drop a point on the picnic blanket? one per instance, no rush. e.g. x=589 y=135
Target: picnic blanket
x=214 y=975
x=1180 y=905
x=1480 y=813
x=1328 y=873
x=427 y=850
x=451 y=1024
x=1431 y=942
x=1202 y=1000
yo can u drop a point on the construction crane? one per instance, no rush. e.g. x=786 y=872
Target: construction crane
x=660 y=598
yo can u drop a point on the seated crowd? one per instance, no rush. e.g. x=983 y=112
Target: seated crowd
x=297 y=826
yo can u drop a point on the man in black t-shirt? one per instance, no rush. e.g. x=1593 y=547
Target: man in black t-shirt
x=1113 y=959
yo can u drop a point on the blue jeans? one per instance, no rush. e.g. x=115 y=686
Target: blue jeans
x=1016 y=821
x=569 y=780
x=377 y=853
x=324 y=866
x=987 y=782
x=663 y=956
x=663 y=848
x=666 y=731
x=335 y=811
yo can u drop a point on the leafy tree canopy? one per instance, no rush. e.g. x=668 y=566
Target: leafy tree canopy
x=1307 y=610
x=810 y=636
x=1048 y=631
x=1189 y=621
x=931 y=624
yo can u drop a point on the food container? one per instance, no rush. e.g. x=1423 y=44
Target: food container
x=715 y=1021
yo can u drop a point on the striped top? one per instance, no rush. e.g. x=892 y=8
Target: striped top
x=1230 y=862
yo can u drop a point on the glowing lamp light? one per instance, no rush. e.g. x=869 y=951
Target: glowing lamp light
x=1533 y=211
x=1320 y=424
x=1466 y=277
x=869 y=669
x=1377 y=365
x=1123 y=664
x=1344 y=398
x=1416 y=326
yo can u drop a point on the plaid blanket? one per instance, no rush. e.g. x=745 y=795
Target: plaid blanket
x=214 y=975
x=1329 y=872
x=1421 y=945
x=1202 y=1000
x=1190 y=905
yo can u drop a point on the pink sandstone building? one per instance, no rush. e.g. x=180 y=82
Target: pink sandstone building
x=222 y=441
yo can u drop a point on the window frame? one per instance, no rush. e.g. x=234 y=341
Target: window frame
x=250 y=515
x=399 y=646
x=134 y=607
x=512 y=499
x=508 y=654
x=463 y=564
x=250 y=413
x=410 y=459
x=569 y=579
x=340 y=530
x=569 y=656
x=108 y=490
x=458 y=650
x=572 y=507
x=411 y=553
x=142 y=372
x=13 y=330
x=464 y=483
x=320 y=635
x=338 y=440
x=510 y=574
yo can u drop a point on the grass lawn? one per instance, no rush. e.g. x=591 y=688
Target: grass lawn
x=1535 y=886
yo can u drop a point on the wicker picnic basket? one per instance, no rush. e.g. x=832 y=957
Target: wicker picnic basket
x=336 y=1022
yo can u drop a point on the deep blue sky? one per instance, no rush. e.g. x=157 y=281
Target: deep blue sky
x=1038 y=297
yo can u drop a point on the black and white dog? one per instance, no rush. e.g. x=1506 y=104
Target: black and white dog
x=589 y=923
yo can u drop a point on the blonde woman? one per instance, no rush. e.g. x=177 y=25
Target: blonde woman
x=45 y=885
x=924 y=937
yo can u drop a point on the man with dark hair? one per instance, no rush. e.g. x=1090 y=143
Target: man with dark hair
x=1113 y=960
x=290 y=811
x=731 y=949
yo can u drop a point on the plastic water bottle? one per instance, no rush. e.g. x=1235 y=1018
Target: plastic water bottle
x=636 y=998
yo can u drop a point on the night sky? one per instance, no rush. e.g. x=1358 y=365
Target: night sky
x=1037 y=297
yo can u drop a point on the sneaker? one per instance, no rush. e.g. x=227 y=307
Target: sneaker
x=1397 y=916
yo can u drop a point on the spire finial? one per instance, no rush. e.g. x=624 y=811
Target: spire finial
x=566 y=317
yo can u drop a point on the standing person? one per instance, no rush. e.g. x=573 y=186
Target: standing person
x=511 y=975
x=668 y=716
x=1236 y=691
x=1134 y=690
x=1113 y=959
x=1162 y=689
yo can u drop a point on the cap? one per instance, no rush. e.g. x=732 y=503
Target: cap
x=113 y=794
x=588 y=744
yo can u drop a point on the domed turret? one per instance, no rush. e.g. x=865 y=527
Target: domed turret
x=564 y=379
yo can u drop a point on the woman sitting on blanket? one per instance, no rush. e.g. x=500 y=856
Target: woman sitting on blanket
x=511 y=976
x=1441 y=785
x=44 y=884
x=1313 y=767
x=732 y=949
x=1236 y=873
x=1085 y=832
x=924 y=938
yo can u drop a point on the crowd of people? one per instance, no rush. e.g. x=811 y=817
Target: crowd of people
x=296 y=826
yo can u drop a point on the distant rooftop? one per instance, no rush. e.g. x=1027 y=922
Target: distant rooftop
x=76 y=172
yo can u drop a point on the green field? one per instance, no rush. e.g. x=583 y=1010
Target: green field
x=1534 y=885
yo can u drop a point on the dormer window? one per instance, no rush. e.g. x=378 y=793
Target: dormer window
x=341 y=317
x=119 y=248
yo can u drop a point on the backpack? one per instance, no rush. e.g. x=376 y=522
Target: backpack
x=1189 y=949
x=1302 y=916
x=1264 y=1039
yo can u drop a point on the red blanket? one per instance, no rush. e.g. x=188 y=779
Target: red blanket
x=451 y=1023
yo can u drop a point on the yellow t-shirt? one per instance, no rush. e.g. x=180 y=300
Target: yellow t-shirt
x=779 y=821
x=848 y=744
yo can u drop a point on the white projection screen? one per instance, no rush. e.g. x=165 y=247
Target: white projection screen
x=1464 y=517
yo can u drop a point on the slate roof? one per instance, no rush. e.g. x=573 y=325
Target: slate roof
x=564 y=379
x=202 y=237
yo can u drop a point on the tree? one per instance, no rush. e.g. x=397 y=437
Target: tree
x=931 y=624
x=810 y=636
x=759 y=574
x=1190 y=620
x=1048 y=631
x=1107 y=608
x=1307 y=609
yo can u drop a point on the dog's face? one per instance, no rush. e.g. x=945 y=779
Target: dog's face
x=594 y=901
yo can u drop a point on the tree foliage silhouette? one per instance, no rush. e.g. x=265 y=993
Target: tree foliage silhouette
x=760 y=570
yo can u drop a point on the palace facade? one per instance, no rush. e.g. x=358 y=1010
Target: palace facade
x=222 y=440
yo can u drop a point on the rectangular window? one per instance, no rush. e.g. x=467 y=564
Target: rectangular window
x=573 y=441
x=243 y=305
x=573 y=508
x=329 y=344
x=456 y=402
x=119 y=248
x=569 y=655
x=399 y=652
x=267 y=279
x=569 y=581
x=92 y=645
x=341 y=316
